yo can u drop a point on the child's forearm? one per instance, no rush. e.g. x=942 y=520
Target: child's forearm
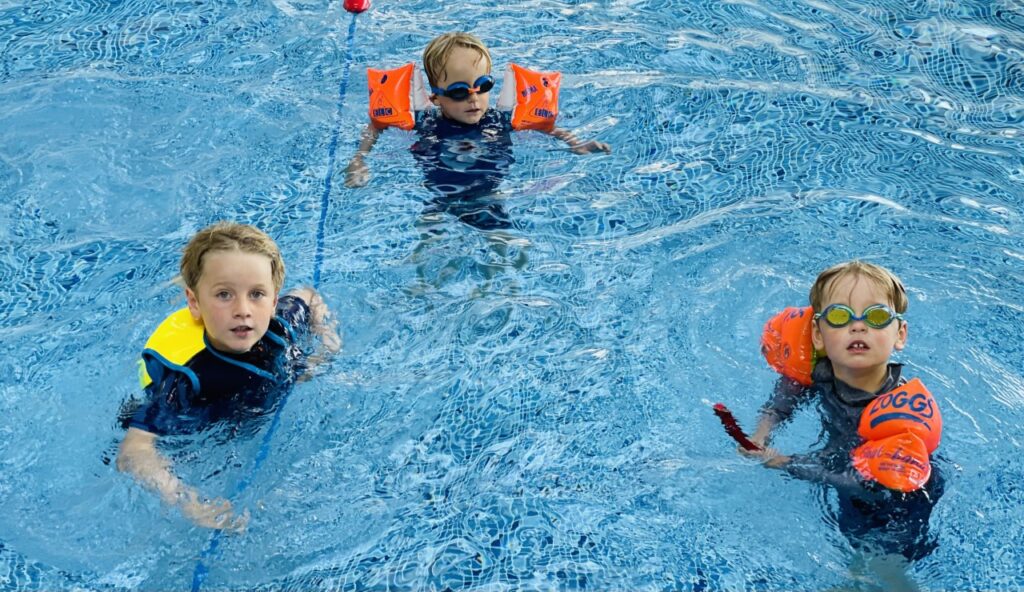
x=567 y=136
x=763 y=432
x=810 y=468
x=139 y=457
x=367 y=140
x=320 y=321
x=576 y=145
x=357 y=173
x=778 y=409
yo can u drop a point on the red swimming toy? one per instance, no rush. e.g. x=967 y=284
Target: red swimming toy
x=357 y=5
x=732 y=428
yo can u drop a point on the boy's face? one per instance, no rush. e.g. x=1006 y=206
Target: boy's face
x=235 y=299
x=857 y=350
x=464 y=65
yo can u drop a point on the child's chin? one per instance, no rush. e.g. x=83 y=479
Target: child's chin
x=473 y=117
x=236 y=346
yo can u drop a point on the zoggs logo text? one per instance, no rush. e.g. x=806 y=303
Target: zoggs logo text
x=918 y=407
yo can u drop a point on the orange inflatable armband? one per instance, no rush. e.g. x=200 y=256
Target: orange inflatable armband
x=535 y=102
x=395 y=96
x=786 y=343
x=902 y=427
x=898 y=462
x=907 y=408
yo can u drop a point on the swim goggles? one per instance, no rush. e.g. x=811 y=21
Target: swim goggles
x=460 y=91
x=877 y=316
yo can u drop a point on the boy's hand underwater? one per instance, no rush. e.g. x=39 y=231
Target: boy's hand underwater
x=215 y=513
x=770 y=457
x=590 y=147
x=357 y=174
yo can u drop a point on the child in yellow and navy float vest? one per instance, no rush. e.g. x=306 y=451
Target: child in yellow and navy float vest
x=880 y=428
x=464 y=146
x=228 y=356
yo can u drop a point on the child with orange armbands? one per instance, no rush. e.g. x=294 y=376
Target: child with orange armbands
x=464 y=145
x=880 y=428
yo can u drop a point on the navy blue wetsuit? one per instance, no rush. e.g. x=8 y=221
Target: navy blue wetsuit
x=869 y=515
x=214 y=385
x=464 y=165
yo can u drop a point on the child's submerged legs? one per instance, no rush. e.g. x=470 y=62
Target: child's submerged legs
x=436 y=266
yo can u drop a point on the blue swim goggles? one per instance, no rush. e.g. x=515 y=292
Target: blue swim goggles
x=460 y=91
x=877 y=316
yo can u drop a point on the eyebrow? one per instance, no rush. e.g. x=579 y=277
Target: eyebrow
x=219 y=285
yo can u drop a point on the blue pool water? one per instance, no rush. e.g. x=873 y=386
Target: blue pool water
x=495 y=425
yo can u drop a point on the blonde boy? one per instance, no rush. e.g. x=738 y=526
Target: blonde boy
x=858 y=322
x=856 y=365
x=229 y=353
x=458 y=67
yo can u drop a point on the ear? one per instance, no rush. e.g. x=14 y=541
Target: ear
x=901 y=337
x=193 y=304
x=816 y=339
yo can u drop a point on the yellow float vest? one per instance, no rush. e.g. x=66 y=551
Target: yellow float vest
x=176 y=341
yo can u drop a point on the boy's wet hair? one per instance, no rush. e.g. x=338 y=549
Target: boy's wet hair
x=230 y=236
x=882 y=277
x=437 y=52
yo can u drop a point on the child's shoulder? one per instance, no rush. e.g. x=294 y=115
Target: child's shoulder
x=292 y=314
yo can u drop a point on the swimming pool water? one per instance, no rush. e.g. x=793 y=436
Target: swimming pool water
x=492 y=424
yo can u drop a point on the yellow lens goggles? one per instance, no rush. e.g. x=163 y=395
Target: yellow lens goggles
x=877 y=316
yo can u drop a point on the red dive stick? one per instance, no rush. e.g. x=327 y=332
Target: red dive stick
x=732 y=428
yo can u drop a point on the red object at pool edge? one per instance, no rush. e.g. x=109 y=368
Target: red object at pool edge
x=356 y=5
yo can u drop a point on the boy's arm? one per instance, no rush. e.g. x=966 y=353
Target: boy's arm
x=576 y=145
x=139 y=457
x=321 y=322
x=807 y=467
x=357 y=174
x=779 y=408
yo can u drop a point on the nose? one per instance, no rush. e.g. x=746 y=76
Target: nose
x=243 y=309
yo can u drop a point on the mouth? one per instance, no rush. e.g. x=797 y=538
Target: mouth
x=857 y=347
x=241 y=331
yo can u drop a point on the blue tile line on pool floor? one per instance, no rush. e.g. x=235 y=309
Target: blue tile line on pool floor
x=201 y=570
